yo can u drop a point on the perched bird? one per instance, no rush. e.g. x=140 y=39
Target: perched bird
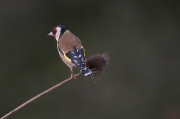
x=70 y=49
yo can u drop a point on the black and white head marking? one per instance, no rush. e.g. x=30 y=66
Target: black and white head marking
x=60 y=31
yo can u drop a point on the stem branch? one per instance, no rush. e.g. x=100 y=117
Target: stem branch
x=38 y=96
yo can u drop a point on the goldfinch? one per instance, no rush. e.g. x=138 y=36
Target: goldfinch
x=70 y=49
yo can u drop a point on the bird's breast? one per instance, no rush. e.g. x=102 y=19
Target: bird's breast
x=66 y=61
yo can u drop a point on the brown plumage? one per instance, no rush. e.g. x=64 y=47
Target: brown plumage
x=67 y=41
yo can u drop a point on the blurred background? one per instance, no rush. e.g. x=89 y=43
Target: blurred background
x=142 y=80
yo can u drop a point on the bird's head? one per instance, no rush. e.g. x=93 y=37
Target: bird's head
x=57 y=31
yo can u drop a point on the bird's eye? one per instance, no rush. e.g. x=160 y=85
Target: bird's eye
x=54 y=31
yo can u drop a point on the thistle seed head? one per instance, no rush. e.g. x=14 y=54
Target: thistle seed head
x=97 y=63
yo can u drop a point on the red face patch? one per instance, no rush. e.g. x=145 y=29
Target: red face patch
x=54 y=30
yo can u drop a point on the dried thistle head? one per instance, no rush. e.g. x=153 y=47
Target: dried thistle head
x=97 y=63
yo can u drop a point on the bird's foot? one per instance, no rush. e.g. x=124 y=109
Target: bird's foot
x=73 y=76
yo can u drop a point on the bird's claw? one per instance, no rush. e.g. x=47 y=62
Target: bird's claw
x=73 y=76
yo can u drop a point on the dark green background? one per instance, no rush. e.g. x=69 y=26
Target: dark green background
x=141 y=36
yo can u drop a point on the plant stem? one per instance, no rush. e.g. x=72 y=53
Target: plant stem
x=38 y=96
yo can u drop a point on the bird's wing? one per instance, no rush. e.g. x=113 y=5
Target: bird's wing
x=70 y=46
x=68 y=41
x=77 y=57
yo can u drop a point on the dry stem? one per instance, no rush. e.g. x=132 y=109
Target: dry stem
x=38 y=96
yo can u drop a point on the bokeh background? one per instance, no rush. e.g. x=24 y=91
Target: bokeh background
x=142 y=80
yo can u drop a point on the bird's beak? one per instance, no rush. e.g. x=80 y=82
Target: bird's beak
x=50 y=34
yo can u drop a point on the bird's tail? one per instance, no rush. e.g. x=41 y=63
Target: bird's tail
x=86 y=71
